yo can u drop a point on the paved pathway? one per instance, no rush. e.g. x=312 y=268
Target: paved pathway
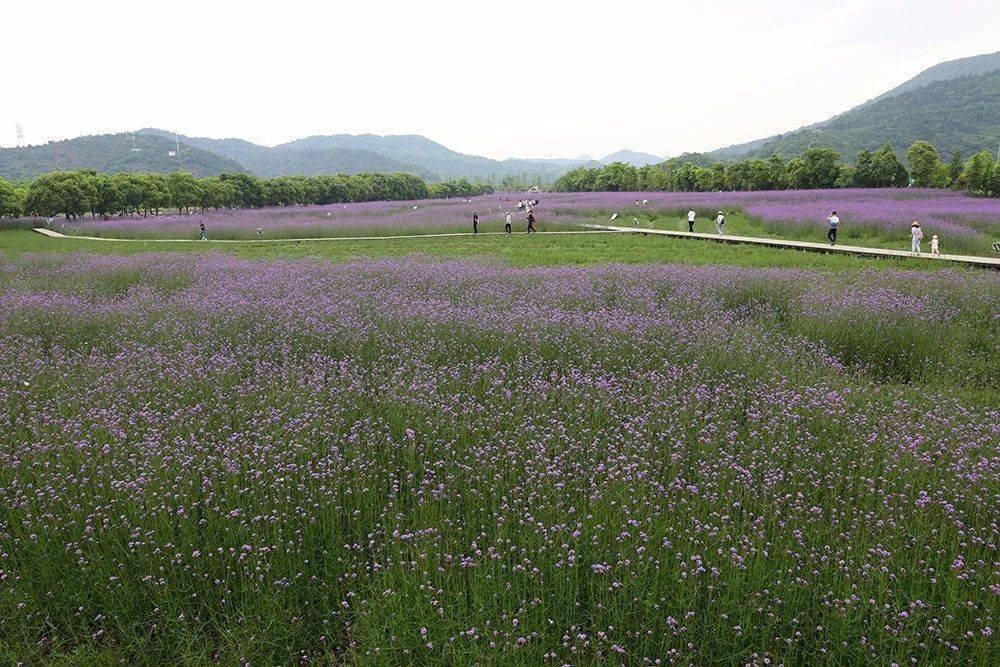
x=57 y=235
x=988 y=262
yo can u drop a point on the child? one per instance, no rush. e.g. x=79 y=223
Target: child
x=934 y=245
x=915 y=235
x=720 y=223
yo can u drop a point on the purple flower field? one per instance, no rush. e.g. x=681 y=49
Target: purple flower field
x=963 y=222
x=204 y=459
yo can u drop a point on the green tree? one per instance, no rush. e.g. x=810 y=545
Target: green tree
x=955 y=169
x=248 y=189
x=618 y=177
x=864 y=175
x=887 y=171
x=108 y=196
x=11 y=200
x=978 y=174
x=185 y=190
x=817 y=168
x=925 y=165
x=69 y=193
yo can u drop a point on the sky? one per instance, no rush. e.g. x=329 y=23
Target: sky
x=505 y=79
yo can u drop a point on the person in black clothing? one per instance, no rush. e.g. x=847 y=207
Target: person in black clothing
x=531 y=222
x=202 y=235
x=475 y=223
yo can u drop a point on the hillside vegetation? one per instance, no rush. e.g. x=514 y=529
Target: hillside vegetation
x=955 y=105
x=111 y=154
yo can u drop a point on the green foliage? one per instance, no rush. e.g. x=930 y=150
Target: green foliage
x=11 y=200
x=979 y=174
x=76 y=193
x=925 y=166
x=460 y=187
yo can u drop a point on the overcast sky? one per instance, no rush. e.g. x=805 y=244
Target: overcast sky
x=537 y=78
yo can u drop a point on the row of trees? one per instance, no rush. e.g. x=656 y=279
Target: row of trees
x=76 y=193
x=817 y=168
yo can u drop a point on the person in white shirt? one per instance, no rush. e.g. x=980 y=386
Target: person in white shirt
x=506 y=225
x=720 y=222
x=831 y=235
x=916 y=234
x=691 y=216
x=934 y=245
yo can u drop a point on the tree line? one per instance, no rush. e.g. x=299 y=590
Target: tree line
x=77 y=193
x=816 y=168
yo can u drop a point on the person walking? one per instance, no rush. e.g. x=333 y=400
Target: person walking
x=831 y=234
x=531 y=222
x=720 y=223
x=916 y=234
x=475 y=223
x=202 y=236
x=506 y=224
x=691 y=216
x=934 y=246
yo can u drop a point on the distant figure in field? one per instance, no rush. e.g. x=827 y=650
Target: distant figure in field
x=691 y=216
x=475 y=223
x=260 y=232
x=531 y=221
x=832 y=233
x=202 y=236
x=506 y=224
x=934 y=246
x=720 y=223
x=916 y=234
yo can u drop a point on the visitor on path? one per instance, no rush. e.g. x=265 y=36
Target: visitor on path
x=720 y=223
x=934 y=246
x=916 y=234
x=831 y=234
x=475 y=223
x=691 y=216
x=506 y=224
x=531 y=222
x=202 y=236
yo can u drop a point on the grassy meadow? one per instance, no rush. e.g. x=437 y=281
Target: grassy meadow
x=546 y=449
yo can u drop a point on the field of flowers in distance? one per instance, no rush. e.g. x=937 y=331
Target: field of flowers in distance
x=965 y=225
x=205 y=458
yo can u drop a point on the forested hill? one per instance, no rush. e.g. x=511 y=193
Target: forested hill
x=955 y=105
x=958 y=115
x=356 y=153
x=299 y=158
x=111 y=153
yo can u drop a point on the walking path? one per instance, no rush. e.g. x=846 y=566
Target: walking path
x=989 y=262
x=57 y=235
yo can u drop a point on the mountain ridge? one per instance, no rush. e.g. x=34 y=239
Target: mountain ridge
x=901 y=115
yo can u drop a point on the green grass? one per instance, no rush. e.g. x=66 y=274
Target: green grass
x=516 y=250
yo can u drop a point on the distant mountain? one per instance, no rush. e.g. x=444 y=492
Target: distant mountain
x=634 y=158
x=329 y=154
x=349 y=153
x=955 y=105
x=111 y=153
